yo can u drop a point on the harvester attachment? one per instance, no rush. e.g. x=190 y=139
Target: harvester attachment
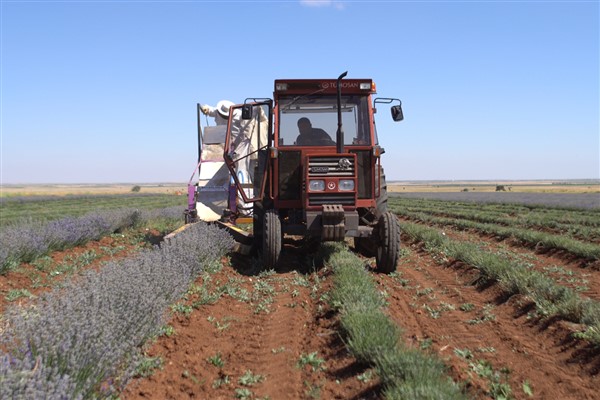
x=212 y=194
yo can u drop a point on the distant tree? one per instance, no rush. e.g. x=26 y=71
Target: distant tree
x=500 y=188
x=136 y=188
x=465 y=190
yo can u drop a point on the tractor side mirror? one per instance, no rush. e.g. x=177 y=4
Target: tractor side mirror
x=246 y=111
x=397 y=114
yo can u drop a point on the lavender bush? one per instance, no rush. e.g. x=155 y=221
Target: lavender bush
x=24 y=243
x=28 y=378
x=83 y=340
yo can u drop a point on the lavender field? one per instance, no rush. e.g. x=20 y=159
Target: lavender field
x=85 y=337
x=31 y=239
x=15 y=210
x=561 y=200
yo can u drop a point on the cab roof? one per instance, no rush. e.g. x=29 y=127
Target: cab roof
x=327 y=86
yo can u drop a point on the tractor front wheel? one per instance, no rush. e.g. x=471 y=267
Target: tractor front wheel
x=271 y=238
x=258 y=222
x=388 y=248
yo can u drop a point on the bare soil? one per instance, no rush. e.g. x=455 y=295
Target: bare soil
x=283 y=321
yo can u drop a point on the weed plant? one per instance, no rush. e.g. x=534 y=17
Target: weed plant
x=84 y=340
x=311 y=359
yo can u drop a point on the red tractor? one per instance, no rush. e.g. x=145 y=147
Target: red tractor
x=308 y=162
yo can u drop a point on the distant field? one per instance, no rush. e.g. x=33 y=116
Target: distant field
x=481 y=186
x=89 y=189
x=16 y=209
x=393 y=187
x=566 y=200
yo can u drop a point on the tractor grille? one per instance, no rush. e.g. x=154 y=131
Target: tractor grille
x=331 y=166
x=345 y=199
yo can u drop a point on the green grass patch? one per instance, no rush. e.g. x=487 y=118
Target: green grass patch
x=15 y=294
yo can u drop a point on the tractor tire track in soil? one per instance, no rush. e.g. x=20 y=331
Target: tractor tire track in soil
x=284 y=321
x=484 y=337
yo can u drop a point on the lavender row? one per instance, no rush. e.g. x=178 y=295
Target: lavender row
x=24 y=243
x=84 y=340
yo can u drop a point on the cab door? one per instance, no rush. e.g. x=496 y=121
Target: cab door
x=247 y=141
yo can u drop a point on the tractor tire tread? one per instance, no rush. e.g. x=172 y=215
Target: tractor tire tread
x=389 y=247
x=272 y=239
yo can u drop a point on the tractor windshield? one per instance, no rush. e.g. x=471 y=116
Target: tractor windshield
x=312 y=120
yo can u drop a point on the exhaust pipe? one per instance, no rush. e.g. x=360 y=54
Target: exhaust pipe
x=340 y=132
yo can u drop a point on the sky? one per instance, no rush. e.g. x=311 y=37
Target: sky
x=106 y=91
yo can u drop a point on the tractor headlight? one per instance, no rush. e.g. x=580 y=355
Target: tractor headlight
x=346 y=184
x=316 y=185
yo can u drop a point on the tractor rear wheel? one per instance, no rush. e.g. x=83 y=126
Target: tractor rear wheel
x=365 y=245
x=382 y=200
x=272 y=238
x=388 y=249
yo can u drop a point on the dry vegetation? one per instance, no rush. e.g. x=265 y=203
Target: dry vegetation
x=89 y=189
x=591 y=186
